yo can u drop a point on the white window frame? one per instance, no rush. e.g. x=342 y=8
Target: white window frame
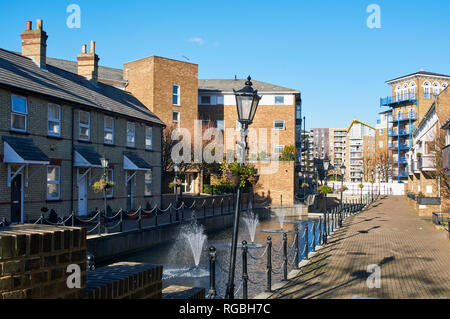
x=279 y=96
x=55 y=182
x=277 y=147
x=133 y=134
x=178 y=117
x=108 y=130
x=278 y=128
x=176 y=94
x=54 y=120
x=148 y=137
x=110 y=192
x=80 y=125
x=148 y=182
x=18 y=113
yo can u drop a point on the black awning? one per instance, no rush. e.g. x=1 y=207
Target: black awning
x=133 y=161
x=23 y=150
x=86 y=156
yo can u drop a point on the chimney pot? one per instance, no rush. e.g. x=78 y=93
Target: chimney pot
x=29 y=25
x=39 y=24
x=83 y=48
x=34 y=43
x=92 y=46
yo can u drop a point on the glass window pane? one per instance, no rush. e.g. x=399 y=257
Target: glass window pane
x=84 y=132
x=53 y=190
x=19 y=104
x=18 y=121
x=175 y=89
x=108 y=123
x=53 y=128
x=108 y=137
x=84 y=118
x=175 y=99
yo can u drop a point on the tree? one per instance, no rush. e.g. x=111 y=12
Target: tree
x=442 y=179
x=384 y=164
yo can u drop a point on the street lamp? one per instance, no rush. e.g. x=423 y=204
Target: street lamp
x=105 y=165
x=247 y=100
x=326 y=165
x=342 y=193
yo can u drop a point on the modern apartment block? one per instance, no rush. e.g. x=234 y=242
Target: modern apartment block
x=426 y=156
x=412 y=96
x=279 y=111
x=337 y=139
x=56 y=126
x=307 y=158
x=321 y=142
x=357 y=138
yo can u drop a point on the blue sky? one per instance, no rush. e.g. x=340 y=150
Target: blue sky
x=323 y=48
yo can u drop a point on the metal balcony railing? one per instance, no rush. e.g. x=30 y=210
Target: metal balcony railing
x=401 y=131
x=426 y=162
x=402 y=160
x=404 y=117
x=400 y=98
x=401 y=173
x=401 y=146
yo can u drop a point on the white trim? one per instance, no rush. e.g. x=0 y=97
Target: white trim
x=19 y=113
x=80 y=161
x=128 y=165
x=416 y=75
x=54 y=120
x=10 y=156
x=80 y=125
x=178 y=94
x=58 y=182
x=108 y=130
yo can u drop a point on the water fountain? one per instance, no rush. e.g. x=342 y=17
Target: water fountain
x=281 y=221
x=188 y=249
x=251 y=221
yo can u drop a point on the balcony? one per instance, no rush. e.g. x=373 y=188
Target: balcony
x=426 y=163
x=446 y=157
x=402 y=160
x=403 y=117
x=399 y=146
x=393 y=101
x=401 y=131
x=402 y=174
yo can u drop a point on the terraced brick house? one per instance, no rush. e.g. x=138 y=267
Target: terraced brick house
x=56 y=125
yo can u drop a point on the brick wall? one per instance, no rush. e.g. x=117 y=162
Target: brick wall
x=34 y=260
x=59 y=150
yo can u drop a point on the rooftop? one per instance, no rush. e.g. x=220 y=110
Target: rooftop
x=423 y=73
x=61 y=84
x=227 y=86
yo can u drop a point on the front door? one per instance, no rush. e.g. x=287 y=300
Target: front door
x=16 y=199
x=82 y=196
x=130 y=191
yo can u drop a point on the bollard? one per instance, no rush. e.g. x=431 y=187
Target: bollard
x=314 y=237
x=297 y=248
x=140 y=218
x=244 y=270
x=285 y=257
x=212 y=273
x=269 y=264
x=121 y=222
x=306 y=242
x=99 y=222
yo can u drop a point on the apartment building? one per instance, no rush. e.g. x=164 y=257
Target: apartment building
x=307 y=157
x=337 y=139
x=426 y=155
x=360 y=136
x=56 y=127
x=321 y=142
x=412 y=96
x=279 y=111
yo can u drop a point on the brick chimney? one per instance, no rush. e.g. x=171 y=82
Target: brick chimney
x=88 y=63
x=34 y=43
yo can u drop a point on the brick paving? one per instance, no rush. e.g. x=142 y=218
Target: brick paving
x=413 y=255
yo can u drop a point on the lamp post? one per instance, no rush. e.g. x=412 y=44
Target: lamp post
x=342 y=181
x=105 y=165
x=247 y=100
x=326 y=166
x=373 y=181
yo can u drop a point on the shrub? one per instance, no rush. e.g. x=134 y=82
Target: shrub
x=325 y=189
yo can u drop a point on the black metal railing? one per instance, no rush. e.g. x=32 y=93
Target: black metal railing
x=305 y=241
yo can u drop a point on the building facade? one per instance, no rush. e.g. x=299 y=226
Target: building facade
x=412 y=96
x=337 y=139
x=58 y=125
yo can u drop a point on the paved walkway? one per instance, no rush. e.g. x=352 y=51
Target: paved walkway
x=414 y=258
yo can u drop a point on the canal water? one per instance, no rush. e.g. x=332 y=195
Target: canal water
x=179 y=267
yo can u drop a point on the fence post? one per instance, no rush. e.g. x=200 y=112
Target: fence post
x=269 y=264
x=320 y=230
x=42 y=219
x=213 y=201
x=156 y=215
x=140 y=218
x=314 y=236
x=244 y=270
x=285 y=257
x=99 y=222
x=106 y=222
x=221 y=207
x=170 y=214
x=73 y=218
x=212 y=273
x=306 y=242
x=121 y=221
x=182 y=211
x=204 y=208
x=297 y=247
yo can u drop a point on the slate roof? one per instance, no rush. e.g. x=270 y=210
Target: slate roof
x=419 y=73
x=137 y=160
x=227 y=86
x=89 y=154
x=22 y=73
x=446 y=125
x=26 y=149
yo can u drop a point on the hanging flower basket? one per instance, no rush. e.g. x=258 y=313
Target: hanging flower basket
x=102 y=185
